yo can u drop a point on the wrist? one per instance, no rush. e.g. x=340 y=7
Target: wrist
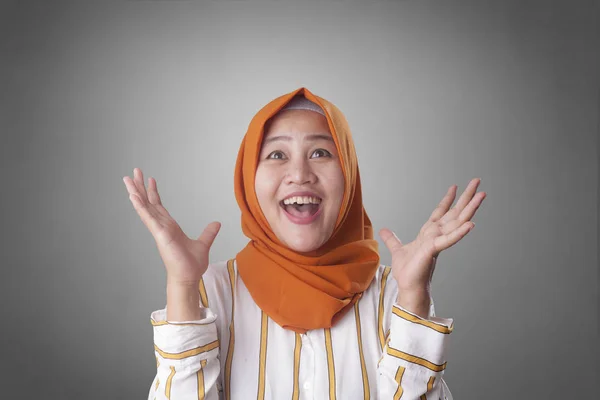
x=417 y=303
x=182 y=284
x=183 y=303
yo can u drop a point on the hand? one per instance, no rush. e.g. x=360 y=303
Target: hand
x=413 y=264
x=185 y=259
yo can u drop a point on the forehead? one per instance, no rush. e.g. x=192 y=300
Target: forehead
x=296 y=121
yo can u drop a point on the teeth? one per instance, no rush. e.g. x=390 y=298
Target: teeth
x=302 y=200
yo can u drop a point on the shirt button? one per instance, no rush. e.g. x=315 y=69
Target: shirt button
x=306 y=385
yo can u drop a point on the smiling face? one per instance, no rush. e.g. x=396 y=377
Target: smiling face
x=299 y=181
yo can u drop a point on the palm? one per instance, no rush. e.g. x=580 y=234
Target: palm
x=188 y=257
x=185 y=259
x=410 y=266
x=413 y=263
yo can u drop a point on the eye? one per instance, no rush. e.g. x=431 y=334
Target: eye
x=276 y=155
x=323 y=152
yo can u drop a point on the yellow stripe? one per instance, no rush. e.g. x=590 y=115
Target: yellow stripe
x=169 y=380
x=203 y=295
x=229 y=358
x=399 y=391
x=386 y=272
x=416 y=360
x=365 y=377
x=430 y=383
x=387 y=341
x=200 y=375
x=263 y=356
x=188 y=353
x=330 y=366
x=297 y=349
x=429 y=387
x=161 y=323
x=157 y=380
x=409 y=317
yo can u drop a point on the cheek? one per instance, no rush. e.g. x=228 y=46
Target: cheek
x=265 y=186
x=334 y=183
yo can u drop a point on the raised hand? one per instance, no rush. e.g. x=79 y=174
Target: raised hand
x=185 y=259
x=413 y=263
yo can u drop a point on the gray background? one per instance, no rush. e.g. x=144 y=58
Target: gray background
x=436 y=93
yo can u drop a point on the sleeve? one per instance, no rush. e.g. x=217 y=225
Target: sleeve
x=414 y=354
x=187 y=363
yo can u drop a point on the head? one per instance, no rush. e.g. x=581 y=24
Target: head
x=304 y=268
x=299 y=163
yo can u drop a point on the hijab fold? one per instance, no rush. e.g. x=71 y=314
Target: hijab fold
x=312 y=290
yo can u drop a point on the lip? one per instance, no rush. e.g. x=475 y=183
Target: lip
x=298 y=220
x=302 y=221
x=302 y=194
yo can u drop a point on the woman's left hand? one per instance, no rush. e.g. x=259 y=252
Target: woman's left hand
x=413 y=263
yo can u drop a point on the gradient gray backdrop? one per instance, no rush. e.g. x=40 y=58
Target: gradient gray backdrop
x=436 y=93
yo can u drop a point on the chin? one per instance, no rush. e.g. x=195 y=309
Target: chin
x=303 y=246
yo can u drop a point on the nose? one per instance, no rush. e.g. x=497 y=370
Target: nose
x=300 y=172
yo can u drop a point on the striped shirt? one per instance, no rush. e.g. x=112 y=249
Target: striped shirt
x=378 y=350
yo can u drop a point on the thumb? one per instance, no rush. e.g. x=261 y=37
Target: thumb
x=209 y=233
x=390 y=240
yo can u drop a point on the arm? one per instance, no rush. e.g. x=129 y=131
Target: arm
x=415 y=352
x=186 y=347
x=196 y=319
x=414 y=341
x=185 y=338
x=187 y=360
x=413 y=361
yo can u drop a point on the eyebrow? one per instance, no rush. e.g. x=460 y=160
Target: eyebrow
x=289 y=138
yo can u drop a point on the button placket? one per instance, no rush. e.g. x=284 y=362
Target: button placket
x=308 y=368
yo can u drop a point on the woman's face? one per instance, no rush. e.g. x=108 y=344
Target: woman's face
x=299 y=182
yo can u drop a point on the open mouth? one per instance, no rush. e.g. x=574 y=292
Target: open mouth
x=301 y=209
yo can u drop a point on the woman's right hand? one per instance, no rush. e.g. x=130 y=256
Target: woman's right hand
x=185 y=259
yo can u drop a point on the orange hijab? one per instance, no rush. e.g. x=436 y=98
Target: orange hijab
x=305 y=291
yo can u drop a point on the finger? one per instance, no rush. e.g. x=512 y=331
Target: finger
x=467 y=195
x=153 y=196
x=390 y=240
x=444 y=205
x=443 y=242
x=465 y=215
x=138 y=179
x=145 y=214
x=210 y=233
x=450 y=226
x=130 y=185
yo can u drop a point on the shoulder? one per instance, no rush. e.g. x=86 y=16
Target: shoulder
x=216 y=284
x=219 y=271
x=383 y=280
x=383 y=287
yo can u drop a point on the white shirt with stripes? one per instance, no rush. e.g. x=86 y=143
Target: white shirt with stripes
x=378 y=350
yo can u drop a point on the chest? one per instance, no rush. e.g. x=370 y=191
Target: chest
x=264 y=360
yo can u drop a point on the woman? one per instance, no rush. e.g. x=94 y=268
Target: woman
x=305 y=310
